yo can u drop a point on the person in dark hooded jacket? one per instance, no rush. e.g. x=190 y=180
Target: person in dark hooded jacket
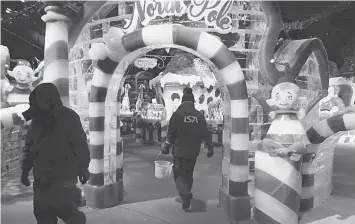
x=187 y=128
x=56 y=149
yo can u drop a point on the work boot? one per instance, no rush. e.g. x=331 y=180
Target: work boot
x=186 y=202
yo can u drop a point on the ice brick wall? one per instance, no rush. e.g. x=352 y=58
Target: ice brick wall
x=247 y=22
x=12 y=142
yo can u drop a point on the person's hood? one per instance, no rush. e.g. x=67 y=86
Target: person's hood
x=48 y=91
x=187 y=104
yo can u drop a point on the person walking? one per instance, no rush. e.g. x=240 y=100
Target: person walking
x=56 y=149
x=187 y=129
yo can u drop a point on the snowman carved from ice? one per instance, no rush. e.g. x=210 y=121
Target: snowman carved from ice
x=286 y=136
x=15 y=91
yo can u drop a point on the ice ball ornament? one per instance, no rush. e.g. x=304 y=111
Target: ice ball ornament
x=285 y=96
x=113 y=41
x=113 y=38
x=98 y=51
x=111 y=48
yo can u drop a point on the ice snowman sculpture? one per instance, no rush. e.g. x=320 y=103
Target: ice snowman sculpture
x=284 y=145
x=15 y=91
x=286 y=136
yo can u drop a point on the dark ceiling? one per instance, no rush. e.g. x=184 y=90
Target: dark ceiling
x=25 y=36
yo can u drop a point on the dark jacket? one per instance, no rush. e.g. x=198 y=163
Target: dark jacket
x=56 y=144
x=187 y=129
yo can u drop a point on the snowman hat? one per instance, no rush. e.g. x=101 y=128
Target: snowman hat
x=22 y=62
x=286 y=78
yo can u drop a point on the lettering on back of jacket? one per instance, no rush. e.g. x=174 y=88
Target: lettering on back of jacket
x=190 y=119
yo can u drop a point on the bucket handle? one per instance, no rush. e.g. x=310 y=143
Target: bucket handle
x=162 y=154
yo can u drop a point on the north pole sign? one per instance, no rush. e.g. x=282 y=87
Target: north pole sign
x=214 y=12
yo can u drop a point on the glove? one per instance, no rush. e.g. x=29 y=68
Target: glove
x=84 y=177
x=24 y=179
x=165 y=148
x=210 y=153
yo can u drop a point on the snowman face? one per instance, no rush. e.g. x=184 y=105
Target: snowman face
x=22 y=74
x=285 y=95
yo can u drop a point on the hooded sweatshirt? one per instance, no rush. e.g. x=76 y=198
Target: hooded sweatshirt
x=56 y=144
x=187 y=129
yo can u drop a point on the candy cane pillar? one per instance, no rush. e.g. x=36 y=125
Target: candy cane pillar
x=277 y=191
x=56 y=65
x=308 y=177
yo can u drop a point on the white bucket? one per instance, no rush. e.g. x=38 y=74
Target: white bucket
x=163 y=168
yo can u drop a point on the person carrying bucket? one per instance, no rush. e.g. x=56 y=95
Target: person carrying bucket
x=187 y=129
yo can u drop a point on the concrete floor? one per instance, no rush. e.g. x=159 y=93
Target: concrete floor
x=154 y=201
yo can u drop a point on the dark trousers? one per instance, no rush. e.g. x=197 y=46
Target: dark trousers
x=57 y=200
x=183 y=170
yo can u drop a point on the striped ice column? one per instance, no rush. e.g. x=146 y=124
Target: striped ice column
x=278 y=181
x=99 y=87
x=56 y=65
x=308 y=171
x=277 y=189
x=212 y=48
x=326 y=128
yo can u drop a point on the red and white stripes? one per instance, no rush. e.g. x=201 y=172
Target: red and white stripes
x=326 y=128
x=277 y=189
x=308 y=171
x=56 y=65
x=211 y=48
x=231 y=72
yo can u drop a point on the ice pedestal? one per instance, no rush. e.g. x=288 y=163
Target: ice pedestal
x=323 y=173
x=334 y=168
x=343 y=168
x=12 y=143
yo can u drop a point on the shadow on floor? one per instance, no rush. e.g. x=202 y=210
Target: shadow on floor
x=197 y=206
